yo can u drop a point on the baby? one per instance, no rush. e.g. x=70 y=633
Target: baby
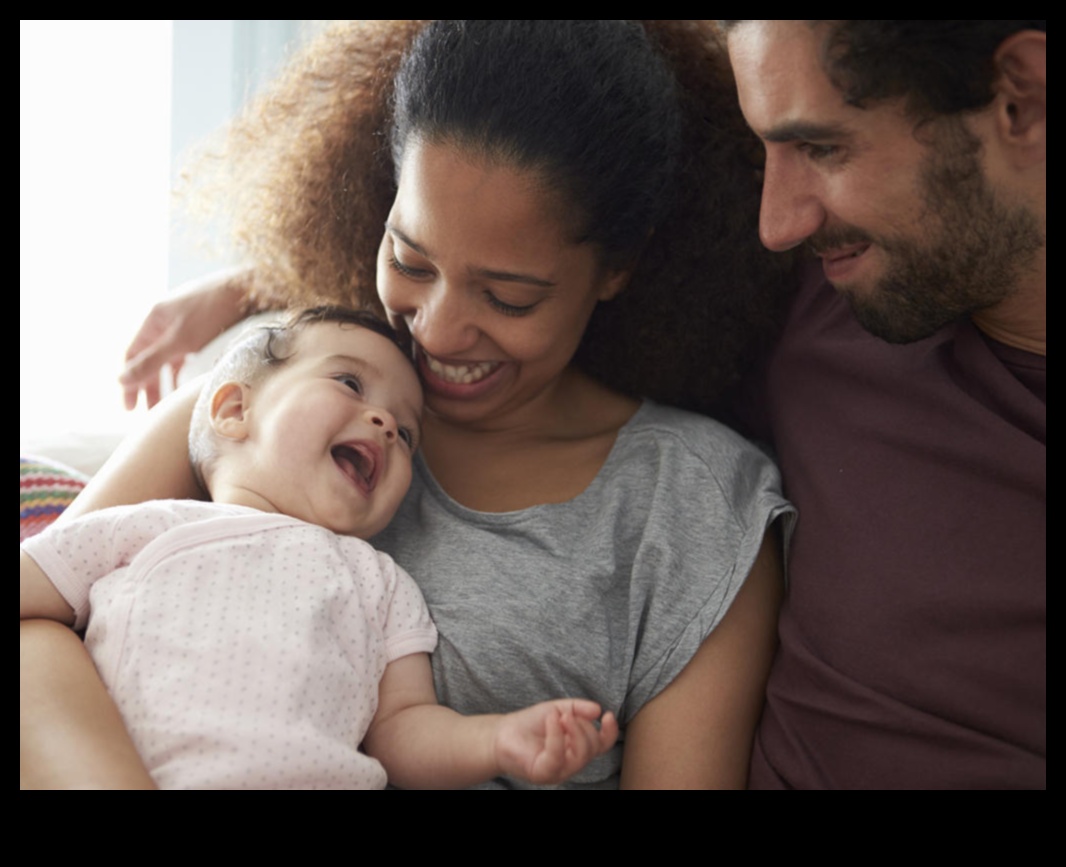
x=255 y=641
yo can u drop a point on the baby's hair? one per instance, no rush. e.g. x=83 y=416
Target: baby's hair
x=260 y=352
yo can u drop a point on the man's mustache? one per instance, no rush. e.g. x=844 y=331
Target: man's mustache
x=827 y=240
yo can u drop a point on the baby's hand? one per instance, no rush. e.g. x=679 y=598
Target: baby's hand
x=550 y=742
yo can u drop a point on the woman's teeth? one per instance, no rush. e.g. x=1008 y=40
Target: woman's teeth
x=461 y=374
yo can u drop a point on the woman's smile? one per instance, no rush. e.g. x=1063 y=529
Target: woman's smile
x=479 y=265
x=459 y=373
x=460 y=381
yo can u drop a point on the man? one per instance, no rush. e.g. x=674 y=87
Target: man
x=910 y=158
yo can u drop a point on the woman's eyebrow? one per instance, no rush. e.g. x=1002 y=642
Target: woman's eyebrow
x=418 y=248
x=484 y=273
x=508 y=277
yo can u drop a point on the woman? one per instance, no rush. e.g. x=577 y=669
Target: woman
x=551 y=264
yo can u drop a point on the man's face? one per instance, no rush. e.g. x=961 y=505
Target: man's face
x=902 y=216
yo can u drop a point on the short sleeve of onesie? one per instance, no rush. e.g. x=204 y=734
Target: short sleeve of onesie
x=76 y=554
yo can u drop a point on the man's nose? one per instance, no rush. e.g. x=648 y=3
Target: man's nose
x=791 y=208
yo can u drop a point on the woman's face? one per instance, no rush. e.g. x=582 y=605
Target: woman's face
x=476 y=264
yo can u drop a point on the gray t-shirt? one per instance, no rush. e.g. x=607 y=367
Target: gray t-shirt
x=607 y=596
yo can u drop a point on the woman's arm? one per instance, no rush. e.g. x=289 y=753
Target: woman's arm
x=151 y=464
x=71 y=735
x=182 y=324
x=698 y=732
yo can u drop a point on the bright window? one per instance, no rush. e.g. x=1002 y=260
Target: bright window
x=94 y=135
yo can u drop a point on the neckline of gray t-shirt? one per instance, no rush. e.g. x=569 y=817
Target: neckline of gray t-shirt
x=666 y=421
x=647 y=413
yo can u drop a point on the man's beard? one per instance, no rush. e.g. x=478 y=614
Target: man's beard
x=969 y=252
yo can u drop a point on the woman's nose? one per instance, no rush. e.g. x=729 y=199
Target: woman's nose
x=443 y=322
x=791 y=209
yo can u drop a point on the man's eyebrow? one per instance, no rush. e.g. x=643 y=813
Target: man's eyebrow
x=805 y=131
x=484 y=273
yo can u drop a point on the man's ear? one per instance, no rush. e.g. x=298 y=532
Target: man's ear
x=615 y=280
x=229 y=411
x=1021 y=101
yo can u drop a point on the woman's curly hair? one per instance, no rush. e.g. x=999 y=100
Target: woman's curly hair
x=310 y=175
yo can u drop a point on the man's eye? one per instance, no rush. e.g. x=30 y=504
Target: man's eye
x=819 y=151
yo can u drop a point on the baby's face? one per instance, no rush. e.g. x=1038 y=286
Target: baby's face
x=334 y=431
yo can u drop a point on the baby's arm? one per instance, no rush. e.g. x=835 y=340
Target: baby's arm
x=71 y=733
x=57 y=687
x=425 y=746
x=38 y=597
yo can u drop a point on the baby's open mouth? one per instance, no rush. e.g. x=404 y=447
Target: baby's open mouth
x=359 y=462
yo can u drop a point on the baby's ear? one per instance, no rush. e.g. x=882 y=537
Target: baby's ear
x=229 y=416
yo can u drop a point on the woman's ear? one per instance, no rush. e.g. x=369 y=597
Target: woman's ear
x=1021 y=98
x=617 y=278
x=229 y=411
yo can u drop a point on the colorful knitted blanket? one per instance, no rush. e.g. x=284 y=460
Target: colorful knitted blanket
x=46 y=488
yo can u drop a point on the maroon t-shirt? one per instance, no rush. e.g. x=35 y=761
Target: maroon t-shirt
x=914 y=635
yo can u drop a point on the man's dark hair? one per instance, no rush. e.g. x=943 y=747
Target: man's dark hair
x=938 y=67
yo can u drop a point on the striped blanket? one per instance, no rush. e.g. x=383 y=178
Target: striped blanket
x=46 y=488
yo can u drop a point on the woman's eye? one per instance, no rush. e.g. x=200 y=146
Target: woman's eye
x=407 y=270
x=509 y=309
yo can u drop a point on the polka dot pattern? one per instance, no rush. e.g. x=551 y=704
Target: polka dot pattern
x=244 y=650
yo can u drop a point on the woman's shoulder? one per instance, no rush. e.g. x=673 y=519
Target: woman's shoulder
x=689 y=469
x=688 y=437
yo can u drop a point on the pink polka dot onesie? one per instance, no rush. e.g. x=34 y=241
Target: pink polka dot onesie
x=244 y=649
